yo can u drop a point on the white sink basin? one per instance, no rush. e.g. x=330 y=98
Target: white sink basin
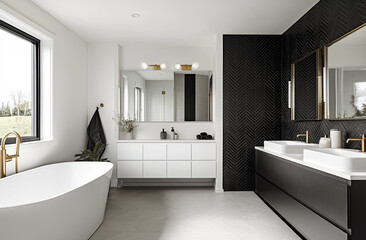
x=288 y=147
x=339 y=159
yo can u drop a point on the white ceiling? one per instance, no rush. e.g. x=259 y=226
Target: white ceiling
x=173 y=22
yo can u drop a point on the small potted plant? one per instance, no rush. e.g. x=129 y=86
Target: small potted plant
x=126 y=125
x=95 y=155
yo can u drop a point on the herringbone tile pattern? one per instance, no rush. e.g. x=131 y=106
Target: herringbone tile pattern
x=253 y=98
x=325 y=22
x=252 y=103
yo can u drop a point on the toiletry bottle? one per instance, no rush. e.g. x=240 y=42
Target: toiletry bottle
x=325 y=142
x=176 y=136
x=336 y=138
x=172 y=133
x=163 y=134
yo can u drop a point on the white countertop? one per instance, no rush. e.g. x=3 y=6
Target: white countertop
x=166 y=141
x=297 y=158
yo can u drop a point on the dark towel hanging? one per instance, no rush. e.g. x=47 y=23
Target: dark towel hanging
x=95 y=131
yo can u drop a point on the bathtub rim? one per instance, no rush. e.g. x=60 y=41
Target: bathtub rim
x=62 y=193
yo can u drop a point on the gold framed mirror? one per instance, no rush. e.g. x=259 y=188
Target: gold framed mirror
x=345 y=76
x=307 y=88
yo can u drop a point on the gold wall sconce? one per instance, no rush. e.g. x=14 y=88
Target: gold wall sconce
x=186 y=67
x=161 y=66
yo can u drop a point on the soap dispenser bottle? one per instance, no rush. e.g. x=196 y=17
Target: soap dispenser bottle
x=172 y=133
x=163 y=134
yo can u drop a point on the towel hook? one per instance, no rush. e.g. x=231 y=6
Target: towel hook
x=100 y=105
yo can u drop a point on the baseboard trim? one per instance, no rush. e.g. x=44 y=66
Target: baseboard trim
x=219 y=190
x=162 y=184
x=114 y=183
x=169 y=182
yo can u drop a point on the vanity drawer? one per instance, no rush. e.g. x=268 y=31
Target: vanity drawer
x=204 y=151
x=129 y=169
x=203 y=169
x=179 y=169
x=129 y=151
x=178 y=151
x=154 y=151
x=325 y=194
x=154 y=169
x=306 y=222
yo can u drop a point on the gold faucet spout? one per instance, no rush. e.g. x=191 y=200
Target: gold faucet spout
x=362 y=140
x=306 y=135
x=353 y=139
x=4 y=157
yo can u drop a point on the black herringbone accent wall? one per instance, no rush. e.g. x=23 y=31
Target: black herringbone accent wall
x=325 y=22
x=251 y=89
x=252 y=103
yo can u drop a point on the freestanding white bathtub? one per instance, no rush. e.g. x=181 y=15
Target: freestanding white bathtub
x=64 y=201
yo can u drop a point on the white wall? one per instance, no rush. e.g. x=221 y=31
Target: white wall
x=186 y=130
x=103 y=80
x=69 y=96
x=218 y=85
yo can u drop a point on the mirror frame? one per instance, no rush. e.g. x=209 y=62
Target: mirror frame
x=326 y=76
x=319 y=83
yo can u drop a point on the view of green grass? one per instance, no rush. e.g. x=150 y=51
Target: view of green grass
x=21 y=124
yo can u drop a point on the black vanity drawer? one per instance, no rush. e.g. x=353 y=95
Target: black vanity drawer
x=306 y=222
x=322 y=193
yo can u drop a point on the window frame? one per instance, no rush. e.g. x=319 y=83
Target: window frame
x=36 y=84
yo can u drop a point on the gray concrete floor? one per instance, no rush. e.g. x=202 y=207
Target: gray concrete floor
x=189 y=214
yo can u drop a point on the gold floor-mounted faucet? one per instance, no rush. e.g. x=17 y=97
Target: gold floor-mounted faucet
x=4 y=158
x=306 y=135
x=362 y=139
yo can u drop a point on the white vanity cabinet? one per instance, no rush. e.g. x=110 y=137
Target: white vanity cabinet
x=166 y=159
x=179 y=151
x=154 y=151
x=179 y=169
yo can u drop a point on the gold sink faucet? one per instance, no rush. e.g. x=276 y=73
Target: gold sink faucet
x=4 y=158
x=306 y=135
x=362 y=139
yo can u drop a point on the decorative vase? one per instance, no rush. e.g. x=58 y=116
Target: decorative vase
x=129 y=135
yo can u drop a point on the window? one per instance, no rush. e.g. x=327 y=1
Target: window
x=19 y=83
x=137 y=104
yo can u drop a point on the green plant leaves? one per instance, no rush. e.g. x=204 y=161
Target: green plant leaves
x=95 y=155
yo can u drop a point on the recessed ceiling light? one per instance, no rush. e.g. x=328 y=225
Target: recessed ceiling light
x=136 y=15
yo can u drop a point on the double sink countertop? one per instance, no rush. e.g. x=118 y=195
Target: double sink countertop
x=298 y=158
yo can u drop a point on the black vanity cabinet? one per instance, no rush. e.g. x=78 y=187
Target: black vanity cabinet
x=315 y=204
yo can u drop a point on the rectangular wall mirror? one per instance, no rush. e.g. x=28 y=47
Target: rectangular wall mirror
x=345 y=61
x=306 y=78
x=167 y=96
